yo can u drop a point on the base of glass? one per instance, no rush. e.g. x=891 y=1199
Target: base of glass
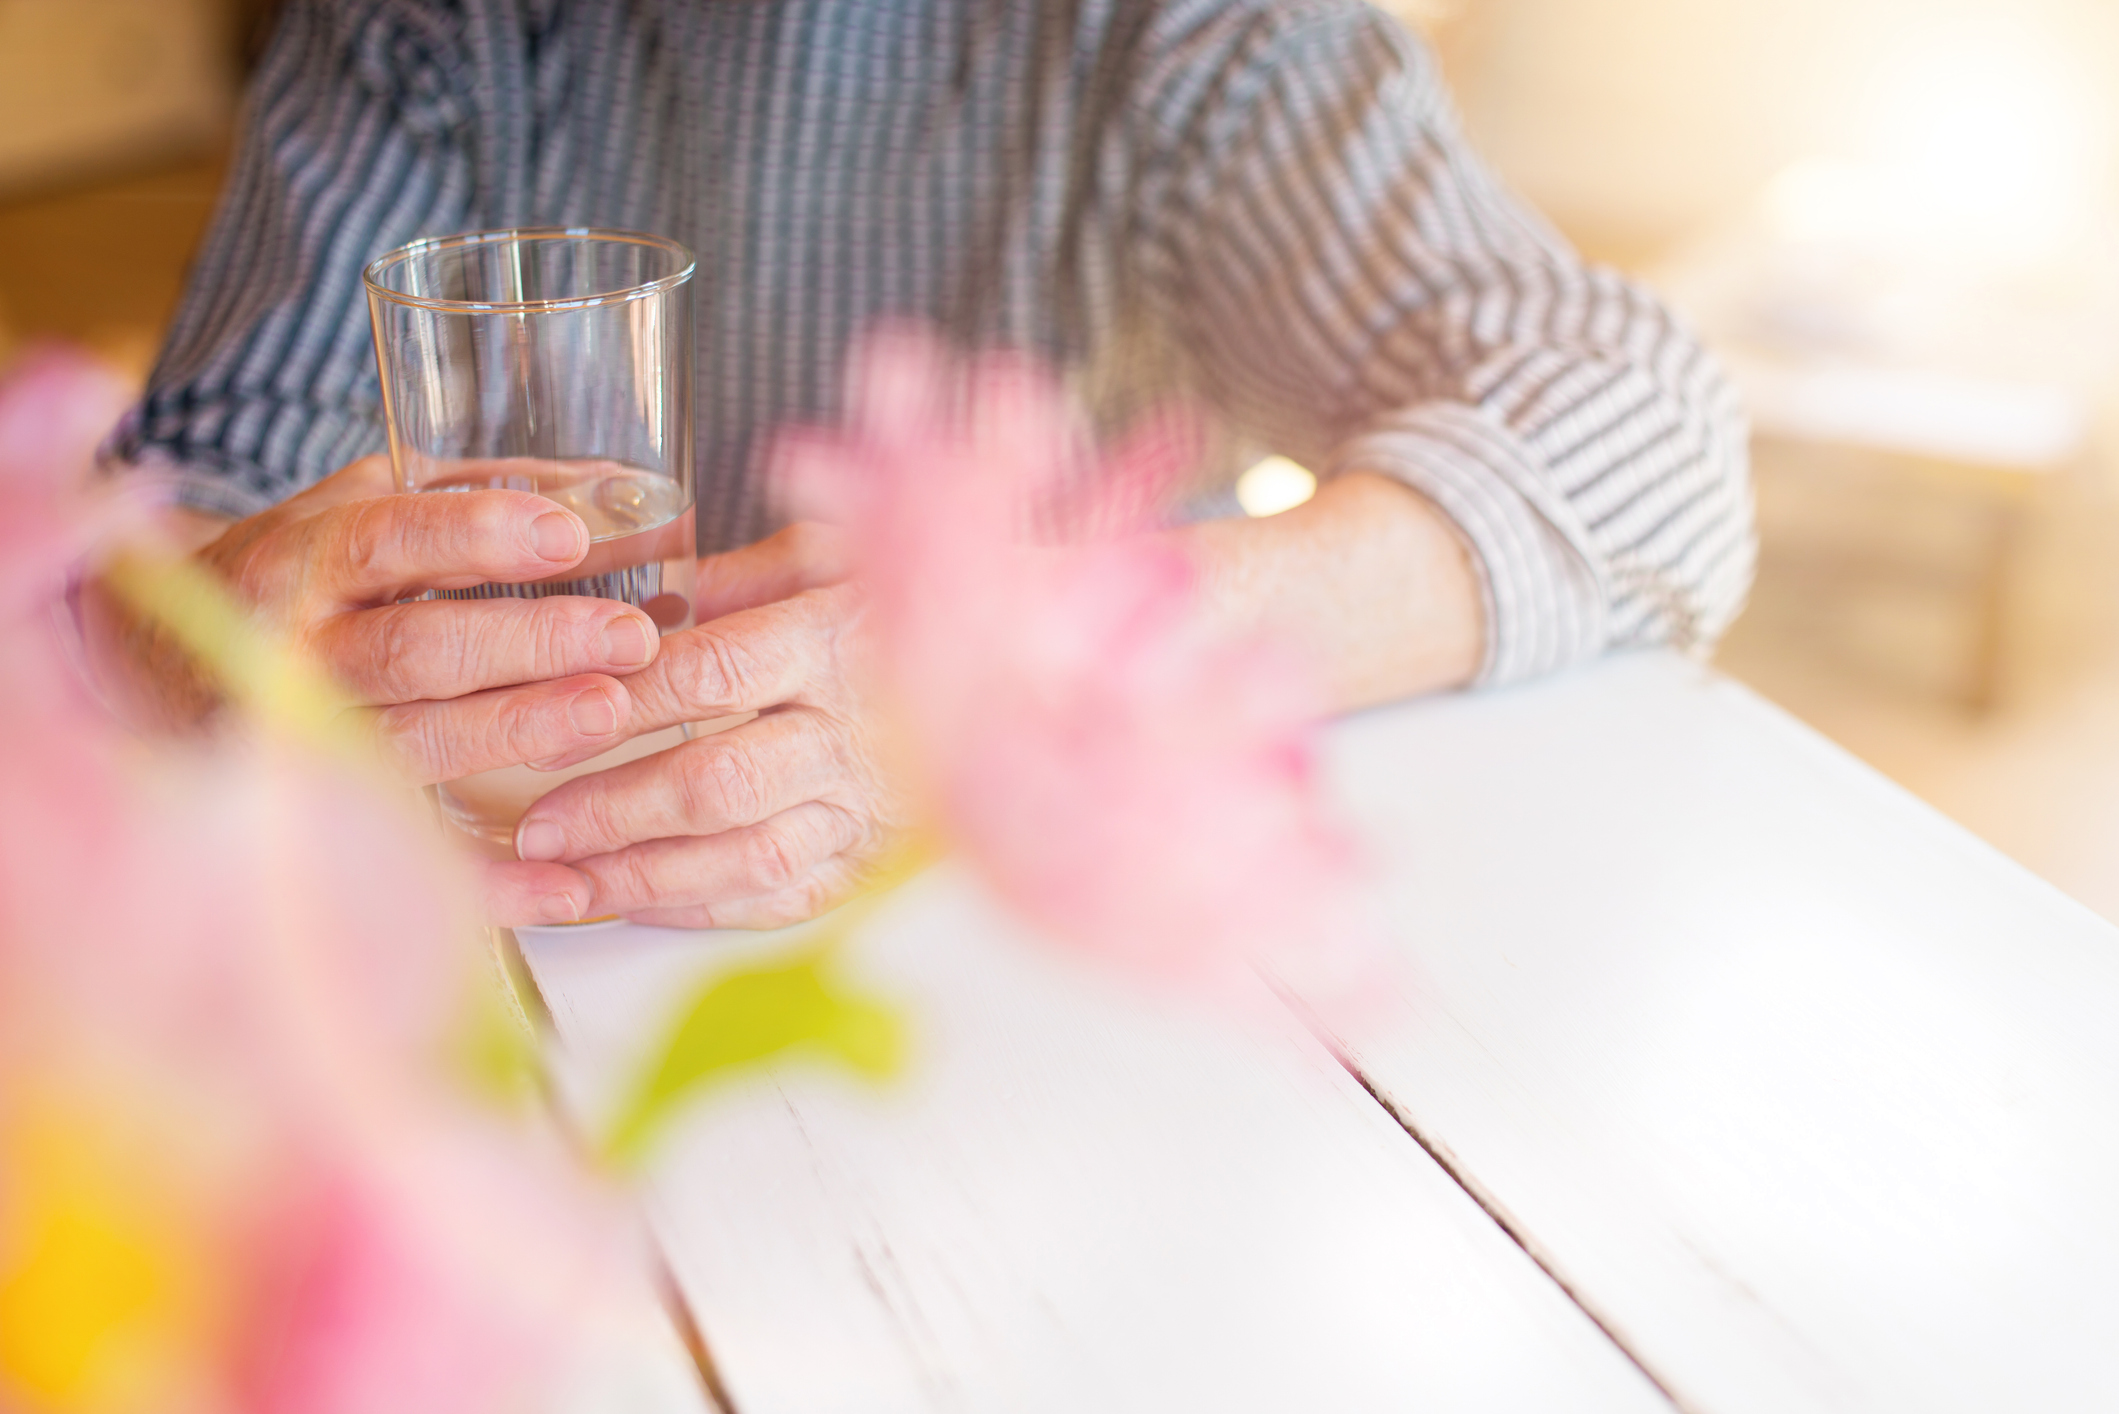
x=482 y=811
x=487 y=807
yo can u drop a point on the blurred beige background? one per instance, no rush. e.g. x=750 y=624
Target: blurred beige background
x=1895 y=220
x=1893 y=217
x=113 y=121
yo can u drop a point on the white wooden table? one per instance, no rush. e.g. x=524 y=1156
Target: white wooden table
x=1724 y=1075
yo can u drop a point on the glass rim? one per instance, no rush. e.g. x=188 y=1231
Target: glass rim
x=373 y=272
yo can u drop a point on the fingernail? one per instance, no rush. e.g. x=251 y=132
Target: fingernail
x=626 y=643
x=539 y=841
x=592 y=713
x=557 y=537
x=560 y=908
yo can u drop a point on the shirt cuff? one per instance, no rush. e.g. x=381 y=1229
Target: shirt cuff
x=1545 y=595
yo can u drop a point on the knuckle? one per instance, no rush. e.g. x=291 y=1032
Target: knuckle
x=565 y=629
x=722 y=671
x=623 y=877
x=501 y=643
x=468 y=648
x=409 y=739
x=524 y=734
x=831 y=739
x=799 y=902
x=856 y=834
x=724 y=783
x=623 y=880
x=814 y=894
x=365 y=536
x=770 y=861
x=533 y=734
x=496 y=518
x=391 y=663
x=643 y=880
x=593 y=816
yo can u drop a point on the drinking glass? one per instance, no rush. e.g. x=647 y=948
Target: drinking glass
x=558 y=362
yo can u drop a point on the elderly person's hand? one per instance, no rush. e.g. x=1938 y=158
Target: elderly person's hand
x=449 y=687
x=768 y=823
x=765 y=823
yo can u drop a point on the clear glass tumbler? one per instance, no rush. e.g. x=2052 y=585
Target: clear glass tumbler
x=559 y=362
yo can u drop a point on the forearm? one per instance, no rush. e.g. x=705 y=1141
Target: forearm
x=1367 y=577
x=1422 y=323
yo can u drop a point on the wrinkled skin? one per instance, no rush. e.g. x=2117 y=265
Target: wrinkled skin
x=757 y=826
x=768 y=822
x=446 y=687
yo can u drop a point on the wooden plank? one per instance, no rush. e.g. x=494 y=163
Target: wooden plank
x=1081 y=1196
x=631 y=1360
x=1812 y=1096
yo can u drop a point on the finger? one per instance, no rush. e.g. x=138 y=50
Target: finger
x=388 y=547
x=440 y=648
x=528 y=895
x=574 y=483
x=780 y=910
x=806 y=555
x=720 y=782
x=828 y=885
x=743 y=662
x=771 y=857
x=551 y=723
x=249 y=551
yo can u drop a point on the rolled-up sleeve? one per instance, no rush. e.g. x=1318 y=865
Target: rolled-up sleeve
x=350 y=144
x=1359 y=292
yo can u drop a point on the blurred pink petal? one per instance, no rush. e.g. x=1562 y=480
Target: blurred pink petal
x=1137 y=786
x=420 y=1287
x=273 y=958
x=55 y=406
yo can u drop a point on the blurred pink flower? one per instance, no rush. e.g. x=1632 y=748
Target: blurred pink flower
x=55 y=407
x=438 y=1279
x=233 y=988
x=1138 y=786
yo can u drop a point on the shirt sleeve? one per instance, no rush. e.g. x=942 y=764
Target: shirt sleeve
x=350 y=145
x=1361 y=293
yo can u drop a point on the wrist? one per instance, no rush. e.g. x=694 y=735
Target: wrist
x=1368 y=577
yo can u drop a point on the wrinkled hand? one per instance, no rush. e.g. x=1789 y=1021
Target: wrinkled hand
x=763 y=824
x=448 y=687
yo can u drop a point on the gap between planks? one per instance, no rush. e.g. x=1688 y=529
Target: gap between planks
x=531 y=996
x=516 y=973
x=1491 y=1206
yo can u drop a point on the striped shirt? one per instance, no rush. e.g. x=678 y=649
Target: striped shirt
x=1265 y=203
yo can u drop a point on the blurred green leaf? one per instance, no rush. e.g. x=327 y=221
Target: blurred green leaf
x=494 y=1049
x=745 y=1018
